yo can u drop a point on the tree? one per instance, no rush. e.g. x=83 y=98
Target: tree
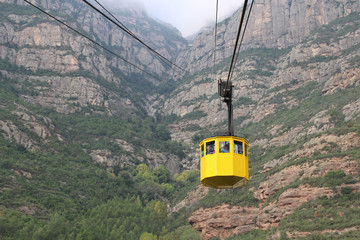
x=148 y=236
x=144 y=173
x=162 y=174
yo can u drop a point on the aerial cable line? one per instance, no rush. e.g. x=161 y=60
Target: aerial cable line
x=88 y=38
x=167 y=61
x=125 y=29
x=242 y=38
x=236 y=43
x=114 y=18
x=215 y=29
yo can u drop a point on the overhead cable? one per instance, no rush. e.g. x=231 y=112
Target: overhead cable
x=114 y=17
x=242 y=38
x=133 y=36
x=236 y=43
x=215 y=30
x=88 y=38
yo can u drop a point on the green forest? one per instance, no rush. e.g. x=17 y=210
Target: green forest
x=60 y=193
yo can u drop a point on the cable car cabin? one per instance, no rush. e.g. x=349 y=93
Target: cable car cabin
x=224 y=162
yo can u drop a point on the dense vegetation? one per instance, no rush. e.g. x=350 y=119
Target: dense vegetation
x=59 y=192
x=64 y=195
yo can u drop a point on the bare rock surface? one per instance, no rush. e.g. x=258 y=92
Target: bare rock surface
x=224 y=220
x=290 y=174
x=191 y=198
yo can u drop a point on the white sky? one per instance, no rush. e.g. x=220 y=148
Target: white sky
x=189 y=16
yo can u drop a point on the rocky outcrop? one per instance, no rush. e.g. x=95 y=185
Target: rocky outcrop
x=151 y=157
x=51 y=66
x=192 y=198
x=67 y=94
x=316 y=169
x=264 y=84
x=12 y=133
x=28 y=130
x=163 y=38
x=279 y=23
x=155 y=158
x=51 y=57
x=44 y=48
x=297 y=234
x=287 y=202
x=270 y=92
x=351 y=110
x=224 y=220
x=323 y=144
x=348 y=77
x=32 y=122
x=107 y=158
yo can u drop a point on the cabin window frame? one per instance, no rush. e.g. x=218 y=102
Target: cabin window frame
x=211 y=144
x=224 y=143
x=240 y=146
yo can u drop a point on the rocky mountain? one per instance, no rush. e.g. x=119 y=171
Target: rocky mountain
x=58 y=69
x=272 y=24
x=295 y=83
x=80 y=128
x=278 y=38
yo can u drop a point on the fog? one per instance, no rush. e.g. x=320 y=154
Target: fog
x=189 y=16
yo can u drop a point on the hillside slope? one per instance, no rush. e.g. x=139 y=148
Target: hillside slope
x=93 y=149
x=75 y=136
x=299 y=107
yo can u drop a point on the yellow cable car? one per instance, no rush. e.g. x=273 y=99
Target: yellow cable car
x=224 y=162
x=224 y=159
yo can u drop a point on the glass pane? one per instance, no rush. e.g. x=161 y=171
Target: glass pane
x=238 y=147
x=246 y=148
x=224 y=146
x=210 y=147
x=202 y=150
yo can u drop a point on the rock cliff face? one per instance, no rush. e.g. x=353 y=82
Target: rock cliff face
x=224 y=221
x=51 y=66
x=39 y=44
x=272 y=24
x=264 y=81
x=299 y=60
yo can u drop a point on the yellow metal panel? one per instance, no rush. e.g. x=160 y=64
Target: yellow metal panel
x=224 y=170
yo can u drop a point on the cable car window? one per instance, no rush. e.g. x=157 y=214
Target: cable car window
x=210 y=147
x=224 y=146
x=238 y=147
x=202 y=150
x=246 y=149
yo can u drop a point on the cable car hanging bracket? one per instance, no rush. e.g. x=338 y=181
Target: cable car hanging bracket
x=225 y=91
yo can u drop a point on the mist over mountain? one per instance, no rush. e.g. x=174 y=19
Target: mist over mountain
x=94 y=148
x=125 y=4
